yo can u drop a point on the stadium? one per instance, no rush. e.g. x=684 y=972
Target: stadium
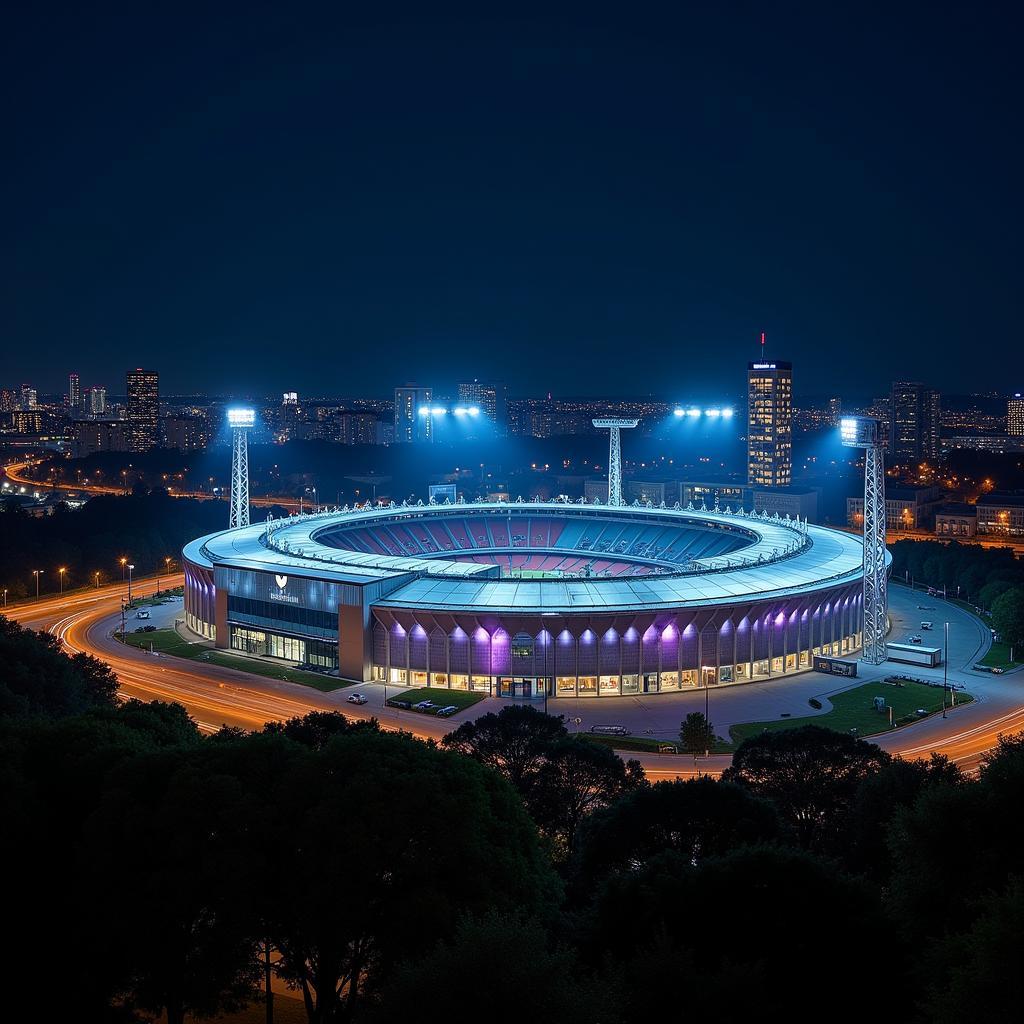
x=531 y=599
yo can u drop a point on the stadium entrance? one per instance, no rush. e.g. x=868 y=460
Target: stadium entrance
x=523 y=688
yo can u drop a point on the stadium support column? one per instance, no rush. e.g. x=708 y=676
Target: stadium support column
x=863 y=432
x=614 y=426
x=240 y=420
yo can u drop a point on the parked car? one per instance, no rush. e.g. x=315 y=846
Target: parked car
x=997 y=671
x=395 y=703
x=356 y=698
x=142 y=615
x=424 y=705
x=914 y=639
x=609 y=730
x=445 y=712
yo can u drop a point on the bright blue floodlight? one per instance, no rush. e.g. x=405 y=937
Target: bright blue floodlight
x=460 y=411
x=424 y=410
x=473 y=410
x=678 y=412
x=727 y=413
x=712 y=412
x=241 y=417
x=438 y=410
x=693 y=412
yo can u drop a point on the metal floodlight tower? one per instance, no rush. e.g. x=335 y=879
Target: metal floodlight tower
x=613 y=426
x=240 y=421
x=865 y=432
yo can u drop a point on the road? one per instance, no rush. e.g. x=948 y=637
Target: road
x=15 y=472
x=216 y=696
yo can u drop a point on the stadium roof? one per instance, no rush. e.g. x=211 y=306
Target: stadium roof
x=794 y=558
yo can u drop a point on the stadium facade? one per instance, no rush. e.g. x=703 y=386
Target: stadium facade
x=529 y=599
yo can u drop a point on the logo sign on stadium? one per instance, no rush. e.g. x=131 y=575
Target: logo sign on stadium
x=281 y=594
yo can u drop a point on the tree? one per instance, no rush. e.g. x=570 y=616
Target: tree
x=1008 y=617
x=183 y=927
x=738 y=936
x=39 y=679
x=696 y=818
x=515 y=742
x=537 y=982
x=811 y=774
x=386 y=844
x=578 y=778
x=696 y=733
x=862 y=844
x=983 y=980
x=315 y=729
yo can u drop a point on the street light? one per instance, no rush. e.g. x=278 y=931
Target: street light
x=130 y=567
x=97 y=575
x=61 y=571
x=124 y=562
x=37 y=573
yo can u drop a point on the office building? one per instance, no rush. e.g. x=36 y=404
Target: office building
x=770 y=424
x=1001 y=513
x=1015 y=415
x=413 y=415
x=143 y=409
x=915 y=419
x=186 y=433
x=29 y=397
x=90 y=436
x=74 y=392
x=358 y=428
x=96 y=401
x=490 y=399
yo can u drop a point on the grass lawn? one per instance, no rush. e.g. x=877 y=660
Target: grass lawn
x=462 y=699
x=853 y=709
x=167 y=641
x=998 y=656
x=648 y=745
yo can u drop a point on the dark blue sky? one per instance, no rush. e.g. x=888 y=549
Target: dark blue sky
x=590 y=199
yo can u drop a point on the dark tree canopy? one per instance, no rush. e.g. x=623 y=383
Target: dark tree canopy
x=697 y=818
x=811 y=774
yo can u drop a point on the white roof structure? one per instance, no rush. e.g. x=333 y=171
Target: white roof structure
x=773 y=558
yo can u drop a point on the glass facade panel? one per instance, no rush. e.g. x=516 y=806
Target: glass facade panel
x=609 y=685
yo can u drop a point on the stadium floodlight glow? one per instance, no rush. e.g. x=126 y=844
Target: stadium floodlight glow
x=424 y=410
x=677 y=411
x=438 y=410
x=865 y=432
x=712 y=412
x=241 y=417
x=693 y=412
x=460 y=411
x=473 y=410
x=727 y=413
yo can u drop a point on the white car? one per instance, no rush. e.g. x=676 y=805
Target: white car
x=356 y=698
x=142 y=615
x=424 y=705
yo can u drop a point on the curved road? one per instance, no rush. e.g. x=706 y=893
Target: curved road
x=216 y=696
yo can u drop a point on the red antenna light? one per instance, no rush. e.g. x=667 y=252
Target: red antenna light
x=762 y=339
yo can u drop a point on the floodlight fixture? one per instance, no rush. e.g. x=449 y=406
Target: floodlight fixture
x=241 y=418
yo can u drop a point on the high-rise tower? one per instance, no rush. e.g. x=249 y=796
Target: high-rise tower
x=74 y=392
x=915 y=417
x=240 y=421
x=143 y=390
x=770 y=424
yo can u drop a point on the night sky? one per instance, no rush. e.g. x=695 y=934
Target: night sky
x=590 y=200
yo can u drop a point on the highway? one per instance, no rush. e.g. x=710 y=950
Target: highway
x=216 y=696
x=15 y=472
